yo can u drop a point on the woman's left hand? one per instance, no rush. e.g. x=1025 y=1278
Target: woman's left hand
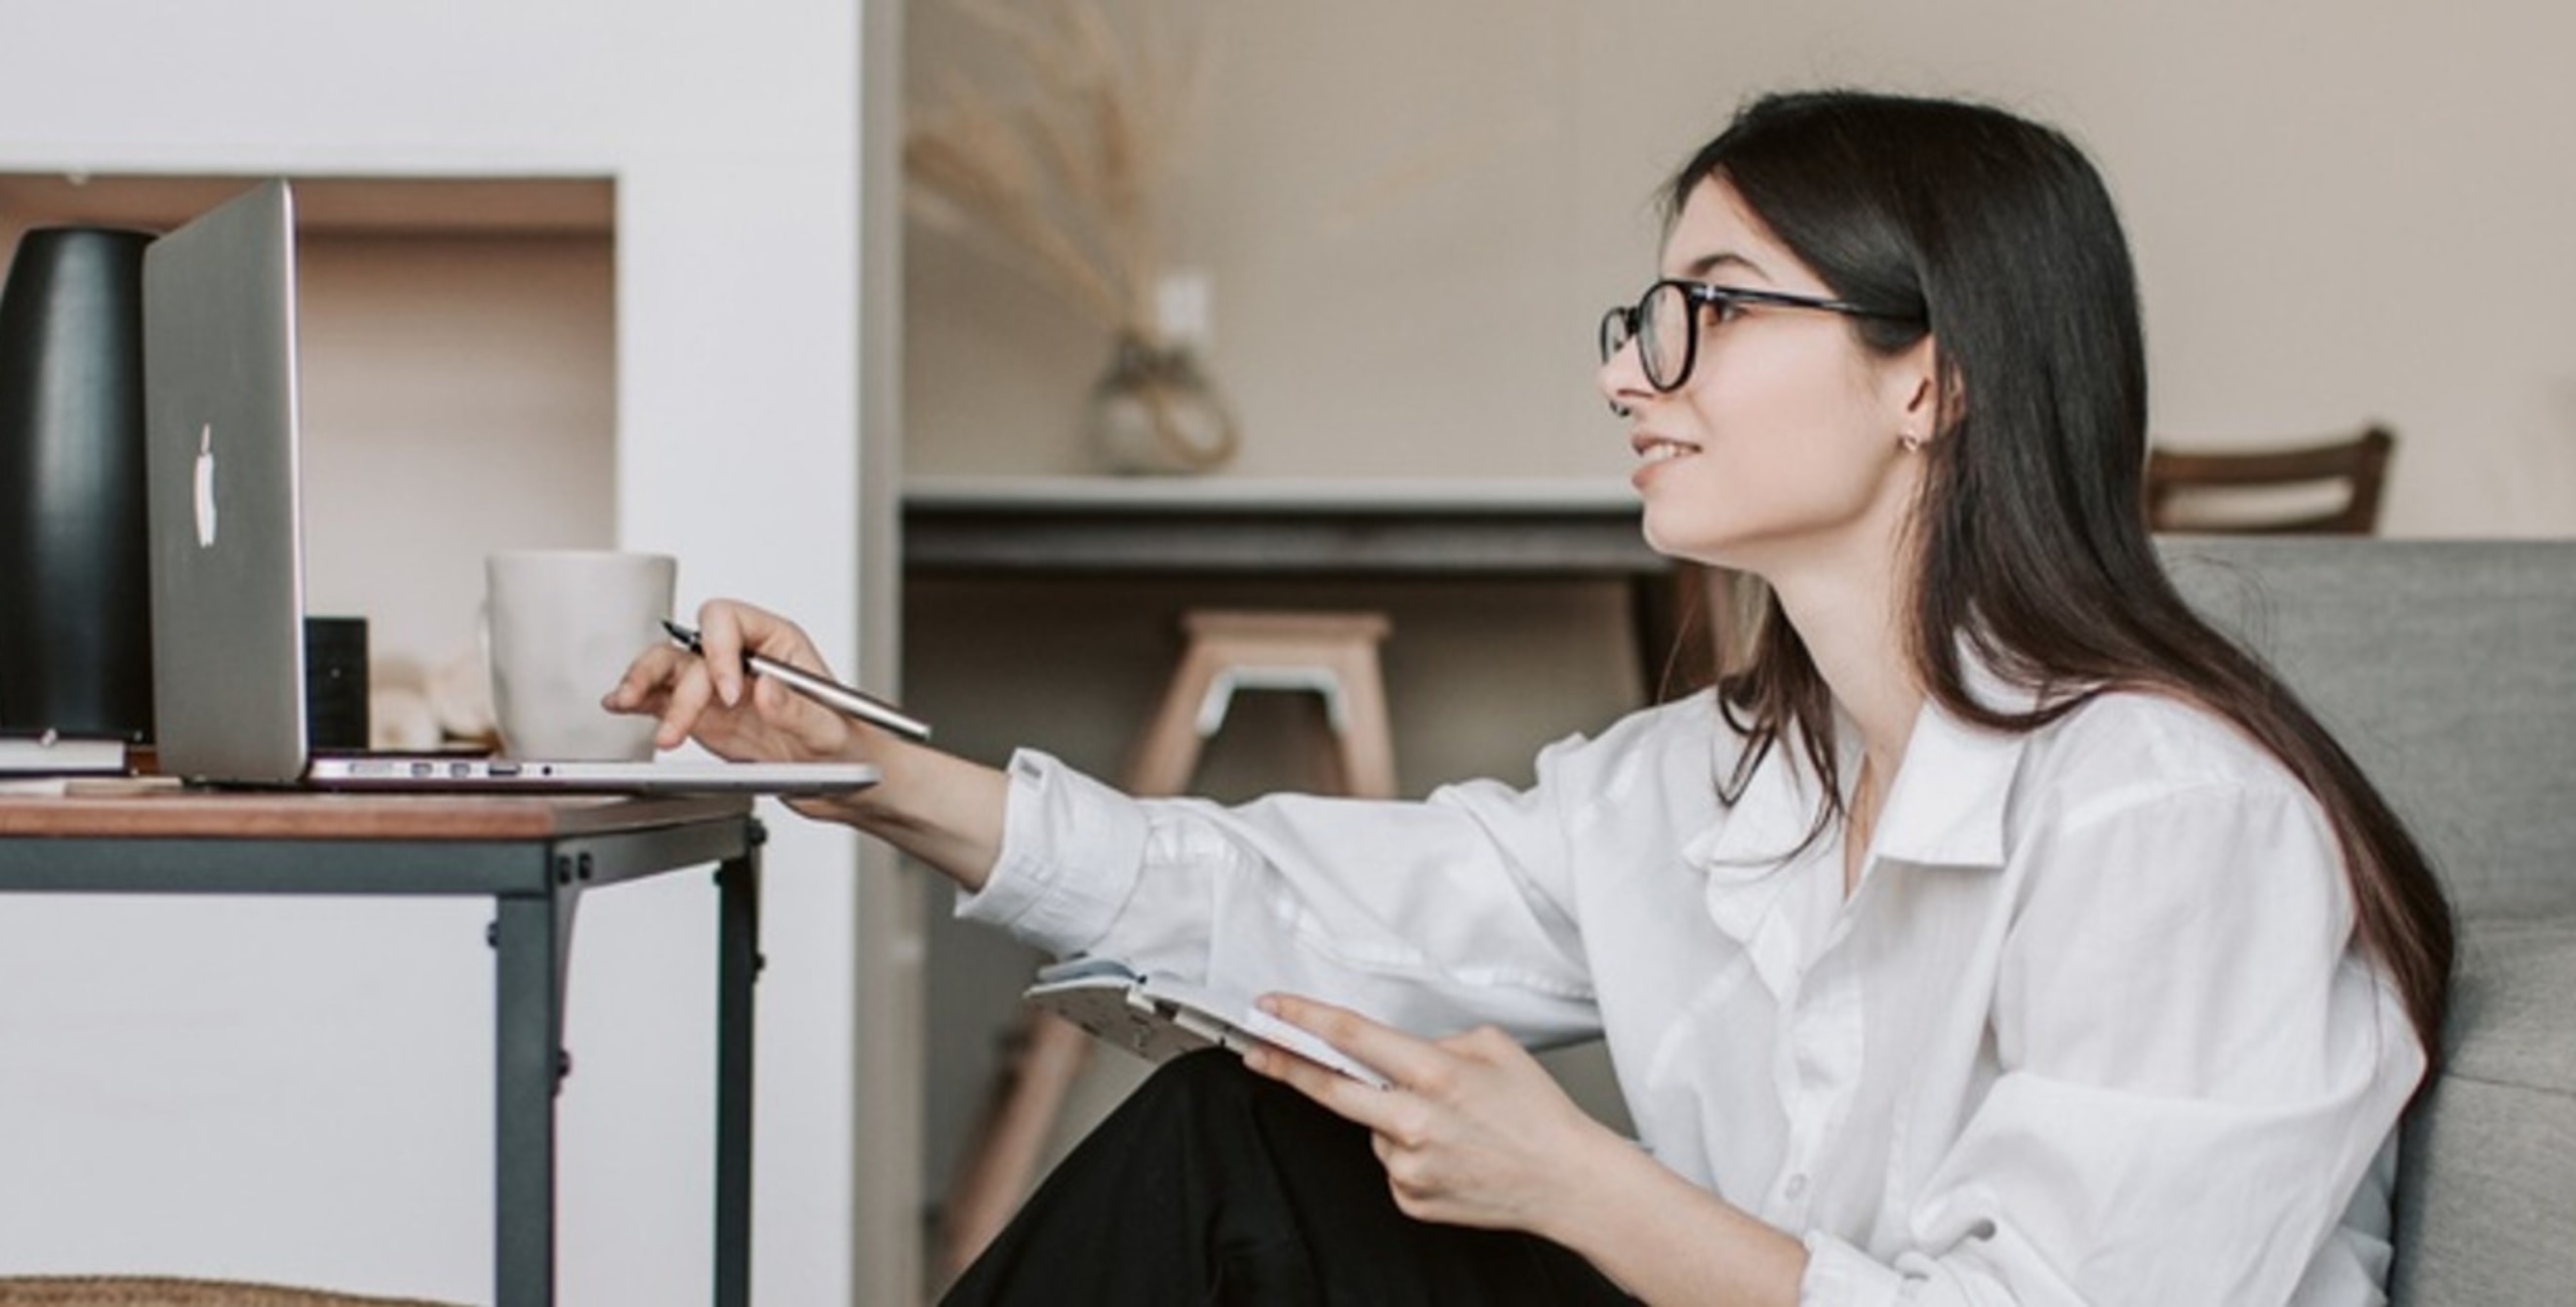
x=1473 y=1130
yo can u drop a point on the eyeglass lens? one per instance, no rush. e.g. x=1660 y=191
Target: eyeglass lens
x=1663 y=326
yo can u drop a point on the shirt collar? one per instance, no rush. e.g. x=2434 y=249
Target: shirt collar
x=1768 y=819
x=1947 y=808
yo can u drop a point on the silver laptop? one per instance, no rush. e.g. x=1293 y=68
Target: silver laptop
x=226 y=513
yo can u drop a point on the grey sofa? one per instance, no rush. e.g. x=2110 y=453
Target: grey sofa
x=2448 y=669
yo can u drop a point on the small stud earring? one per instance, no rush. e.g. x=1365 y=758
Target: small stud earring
x=1912 y=443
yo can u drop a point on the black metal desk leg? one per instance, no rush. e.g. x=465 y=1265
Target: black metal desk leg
x=528 y=1022
x=737 y=965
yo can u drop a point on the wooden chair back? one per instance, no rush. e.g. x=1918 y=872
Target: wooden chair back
x=2176 y=479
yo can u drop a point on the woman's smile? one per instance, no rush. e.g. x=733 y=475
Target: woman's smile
x=1654 y=452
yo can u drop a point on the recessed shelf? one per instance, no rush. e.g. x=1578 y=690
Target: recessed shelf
x=457 y=377
x=460 y=206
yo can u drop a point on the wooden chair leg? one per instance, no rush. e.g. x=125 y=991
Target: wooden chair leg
x=995 y=1174
x=1366 y=743
x=1167 y=752
x=1002 y=1161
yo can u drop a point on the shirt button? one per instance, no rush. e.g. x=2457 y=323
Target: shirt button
x=1796 y=1188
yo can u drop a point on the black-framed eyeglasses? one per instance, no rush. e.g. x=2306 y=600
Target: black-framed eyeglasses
x=1665 y=323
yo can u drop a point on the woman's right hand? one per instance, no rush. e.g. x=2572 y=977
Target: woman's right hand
x=709 y=695
x=939 y=808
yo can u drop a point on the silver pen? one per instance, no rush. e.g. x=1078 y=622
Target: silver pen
x=830 y=694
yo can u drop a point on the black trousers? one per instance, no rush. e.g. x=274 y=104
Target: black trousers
x=1212 y=1185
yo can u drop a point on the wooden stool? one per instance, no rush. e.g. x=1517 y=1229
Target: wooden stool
x=1331 y=655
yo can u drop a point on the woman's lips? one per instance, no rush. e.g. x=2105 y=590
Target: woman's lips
x=1658 y=449
x=1655 y=453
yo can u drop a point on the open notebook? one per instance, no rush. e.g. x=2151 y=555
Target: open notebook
x=1158 y=1018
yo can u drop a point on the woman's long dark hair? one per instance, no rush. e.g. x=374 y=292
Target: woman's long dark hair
x=1997 y=238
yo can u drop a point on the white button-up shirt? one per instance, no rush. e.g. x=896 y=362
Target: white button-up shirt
x=2089 y=1029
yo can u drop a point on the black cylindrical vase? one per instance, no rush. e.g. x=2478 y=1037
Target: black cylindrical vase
x=75 y=580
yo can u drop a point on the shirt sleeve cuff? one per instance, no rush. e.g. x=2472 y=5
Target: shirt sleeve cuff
x=1071 y=851
x=1839 y=1275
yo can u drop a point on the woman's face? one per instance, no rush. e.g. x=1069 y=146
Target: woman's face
x=1785 y=446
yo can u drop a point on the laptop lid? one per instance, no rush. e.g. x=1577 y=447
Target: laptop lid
x=225 y=509
x=223 y=499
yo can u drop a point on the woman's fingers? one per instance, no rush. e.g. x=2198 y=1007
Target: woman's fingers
x=1402 y=1058
x=684 y=701
x=641 y=687
x=720 y=640
x=668 y=684
x=729 y=631
x=684 y=690
x=1407 y=1063
x=1475 y=1131
x=1352 y=1100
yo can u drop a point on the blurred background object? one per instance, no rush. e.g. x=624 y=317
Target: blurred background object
x=75 y=584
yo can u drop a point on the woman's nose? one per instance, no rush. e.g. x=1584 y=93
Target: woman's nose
x=1622 y=380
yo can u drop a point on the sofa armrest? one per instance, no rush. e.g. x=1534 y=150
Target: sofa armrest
x=2486 y=1193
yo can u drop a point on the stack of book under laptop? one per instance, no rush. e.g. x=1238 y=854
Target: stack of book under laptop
x=50 y=754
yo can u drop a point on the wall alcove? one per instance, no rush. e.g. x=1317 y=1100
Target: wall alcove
x=458 y=342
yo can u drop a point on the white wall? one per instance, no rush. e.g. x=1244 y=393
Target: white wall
x=1414 y=214
x=341 y=1137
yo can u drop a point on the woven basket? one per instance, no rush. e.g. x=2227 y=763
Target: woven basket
x=159 y=1291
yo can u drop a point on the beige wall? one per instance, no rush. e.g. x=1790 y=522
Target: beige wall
x=481 y=416
x=1413 y=214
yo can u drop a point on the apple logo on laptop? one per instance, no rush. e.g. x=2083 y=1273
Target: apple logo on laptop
x=206 y=487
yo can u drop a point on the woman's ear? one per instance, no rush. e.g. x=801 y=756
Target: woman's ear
x=1918 y=394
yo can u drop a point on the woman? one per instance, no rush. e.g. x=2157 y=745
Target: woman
x=2001 y=933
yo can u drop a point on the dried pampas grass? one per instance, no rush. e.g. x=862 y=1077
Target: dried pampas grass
x=1068 y=177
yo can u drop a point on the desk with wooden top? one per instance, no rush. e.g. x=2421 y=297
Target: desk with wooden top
x=532 y=856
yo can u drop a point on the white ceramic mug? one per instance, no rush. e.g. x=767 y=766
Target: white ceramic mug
x=564 y=624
